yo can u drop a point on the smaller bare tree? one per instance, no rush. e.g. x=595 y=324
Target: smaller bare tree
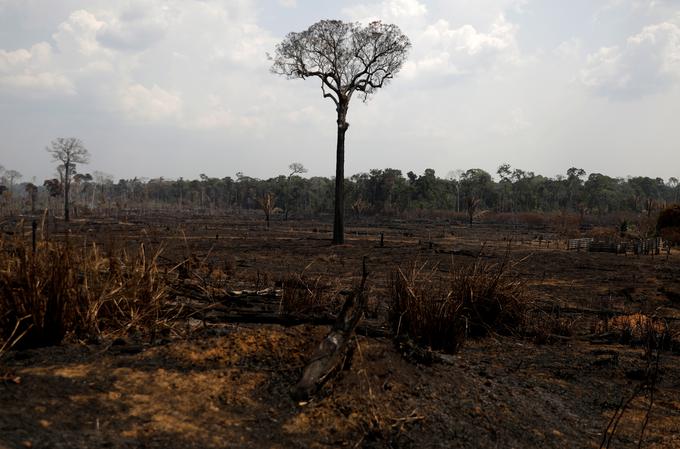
x=295 y=168
x=12 y=175
x=267 y=204
x=650 y=206
x=472 y=203
x=69 y=151
x=360 y=206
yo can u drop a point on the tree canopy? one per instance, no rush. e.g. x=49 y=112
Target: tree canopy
x=346 y=57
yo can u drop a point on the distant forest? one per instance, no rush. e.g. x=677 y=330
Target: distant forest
x=387 y=191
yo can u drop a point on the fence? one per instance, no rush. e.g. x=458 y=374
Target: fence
x=648 y=246
x=638 y=247
x=579 y=244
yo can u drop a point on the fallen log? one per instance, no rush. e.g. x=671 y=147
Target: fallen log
x=334 y=350
x=258 y=307
x=219 y=315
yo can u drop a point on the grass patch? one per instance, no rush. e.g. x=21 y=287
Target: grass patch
x=60 y=291
x=440 y=310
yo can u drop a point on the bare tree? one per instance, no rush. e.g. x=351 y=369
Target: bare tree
x=69 y=151
x=295 y=168
x=12 y=175
x=347 y=58
x=268 y=205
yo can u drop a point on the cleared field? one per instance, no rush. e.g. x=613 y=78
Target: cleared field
x=214 y=382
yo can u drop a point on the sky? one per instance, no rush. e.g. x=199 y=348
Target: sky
x=179 y=88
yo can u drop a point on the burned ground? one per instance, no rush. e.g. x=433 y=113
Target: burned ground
x=223 y=384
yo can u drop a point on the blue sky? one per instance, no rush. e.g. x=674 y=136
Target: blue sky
x=182 y=87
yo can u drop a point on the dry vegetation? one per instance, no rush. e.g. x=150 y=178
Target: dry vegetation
x=201 y=343
x=57 y=290
x=440 y=310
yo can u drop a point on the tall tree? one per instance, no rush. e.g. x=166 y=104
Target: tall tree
x=347 y=58
x=69 y=151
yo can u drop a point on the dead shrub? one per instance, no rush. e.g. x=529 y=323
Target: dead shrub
x=638 y=329
x=548 y=328
x=61 y=291
x=304 y=295
x=439 y=310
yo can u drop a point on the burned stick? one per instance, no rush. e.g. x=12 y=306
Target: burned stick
x=332 y=352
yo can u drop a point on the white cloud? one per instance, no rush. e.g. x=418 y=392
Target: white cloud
x=446 y=50
x=134 y=29
x=288 y=3
x=27 y=71
x=149 y=104
x=647 y=63
x=467 y=39
x=571 y=48
x=516 y=122
x=634 y=7
x=388 y=11
x=78 y=34
x=150 y=60
x=441 y=48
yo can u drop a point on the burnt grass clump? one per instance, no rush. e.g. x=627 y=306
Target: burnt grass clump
x=440 y=309
x=57 y=291
x=307 y=295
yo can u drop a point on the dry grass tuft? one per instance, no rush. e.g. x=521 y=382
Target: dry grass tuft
x=639 y=329
x=61 y=291
x=439 y=310
x=304 y=295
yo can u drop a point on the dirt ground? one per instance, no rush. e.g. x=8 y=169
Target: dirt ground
x=228 y=385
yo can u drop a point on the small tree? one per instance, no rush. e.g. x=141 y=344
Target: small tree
x=295 y=168
x=69 y=151
x=267 y=204
x=347 y=58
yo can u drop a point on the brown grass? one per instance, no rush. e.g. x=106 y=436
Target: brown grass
x=308 y=295
x=439 y=310
x=61 y=291
x=639 y=329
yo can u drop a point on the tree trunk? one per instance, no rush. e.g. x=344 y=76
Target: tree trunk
x=67 y=185
x=339 y=217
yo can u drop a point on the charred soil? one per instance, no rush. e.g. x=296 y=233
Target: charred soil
x=214 y=383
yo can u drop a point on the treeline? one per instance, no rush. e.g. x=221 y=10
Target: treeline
x=386 y=191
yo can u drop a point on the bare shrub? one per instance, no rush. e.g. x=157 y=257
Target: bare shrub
x=304 y=295
x=60 y=291
x=638 y=329
x=546 y=328
x=439 y=310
